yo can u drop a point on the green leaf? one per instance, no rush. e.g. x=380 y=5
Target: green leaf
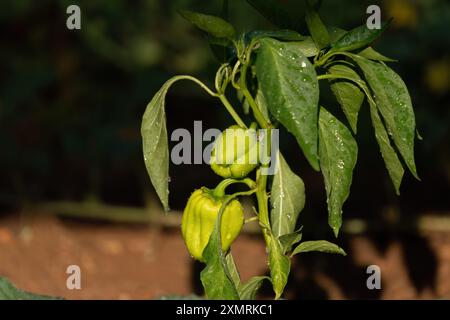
x=316 y=27
x=394 y=104
x=248 y=290
x=335 y=33
x=289 y=83
x=262 y=104
x=222 y=48
x=217 y=280
x=155 y=142
x=307 y=47
x=213 y=25
x=391 y=160
x=9 y=292
x=279 y=265
x=275 y=13
x=319 y=246
x=358 y=38
x=348 y=94
x=282 y=35
x=232 y=270
x=244 y=103
x=290 y=239
x=371 y=54
x=287 y=198
x=338 y=154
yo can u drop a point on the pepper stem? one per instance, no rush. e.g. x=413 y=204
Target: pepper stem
x=219 y=191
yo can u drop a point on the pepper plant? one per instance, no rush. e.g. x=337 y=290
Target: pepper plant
x=275 y=74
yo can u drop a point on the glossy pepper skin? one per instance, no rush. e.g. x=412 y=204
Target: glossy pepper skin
x=235 y=153
x=199 y=218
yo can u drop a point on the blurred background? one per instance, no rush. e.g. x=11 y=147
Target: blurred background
x=74 y=189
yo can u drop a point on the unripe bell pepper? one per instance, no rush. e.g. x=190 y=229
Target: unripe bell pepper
x=235 y=152
x=199 y=218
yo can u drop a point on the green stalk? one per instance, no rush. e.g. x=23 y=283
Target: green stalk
x=261 y=180
x=263 y=123
x=262 y=198
x=231 y=111
x=219 y=190
x=201 y=84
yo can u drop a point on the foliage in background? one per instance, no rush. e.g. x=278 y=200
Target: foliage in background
x=9 y=292
x=70 y=102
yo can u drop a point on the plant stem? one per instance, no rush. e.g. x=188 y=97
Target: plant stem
x=328 y=55
x=262 y=198
x=233 y=75
x=231 y=110
x=261 y=185
x=219 y=190
x=321 y=61
x=251 y=220
x=263 y=201
x=201 y=84
x=222 y=98
x=261 y=179
x=263 y=123
x=263 y=208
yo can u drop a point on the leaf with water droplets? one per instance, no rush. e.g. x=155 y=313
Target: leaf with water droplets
x=287 y=198
x=391 y=160
x=358 y=38
x=155 y=142
x=262 y=104
x=394 y=104
x=280 y=266
x=338 y=154
x=335 y=33
x=289 y=83
x=371 y=54
x=347 y=93
x=307 y=47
